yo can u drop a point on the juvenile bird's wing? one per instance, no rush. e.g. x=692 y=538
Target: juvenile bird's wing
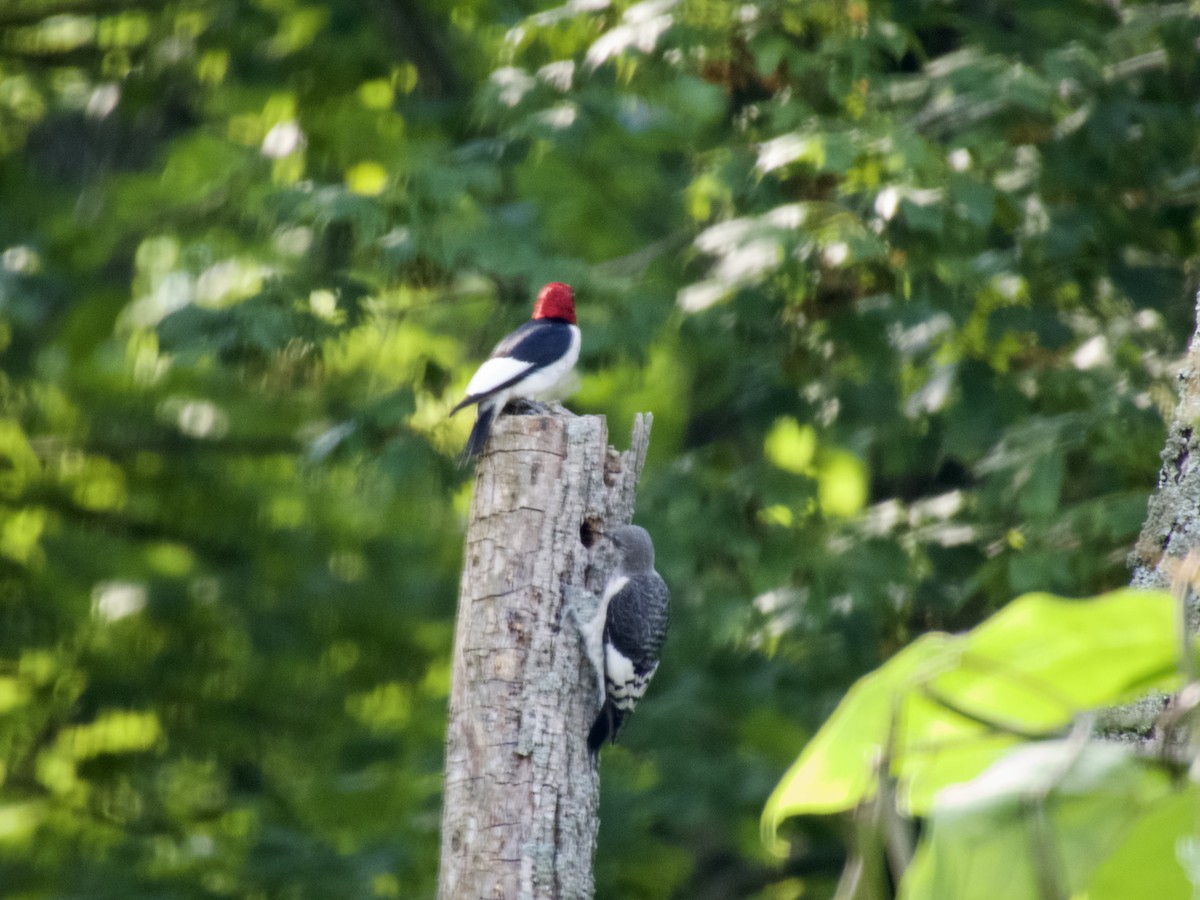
x=634 y=631
x=534 y=345
x=636 y=628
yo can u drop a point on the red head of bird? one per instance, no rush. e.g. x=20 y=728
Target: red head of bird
x=555 y=301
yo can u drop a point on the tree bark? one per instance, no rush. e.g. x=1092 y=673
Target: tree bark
x=1170 y=533
x=1172 y=527
x=521 y=790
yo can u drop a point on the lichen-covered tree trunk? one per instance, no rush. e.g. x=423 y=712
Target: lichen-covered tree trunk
x=521 y=791
x=1170 y=533
x=1172 y=527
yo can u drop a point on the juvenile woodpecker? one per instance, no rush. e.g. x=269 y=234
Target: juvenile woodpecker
x=530 y=362
x=624 y=638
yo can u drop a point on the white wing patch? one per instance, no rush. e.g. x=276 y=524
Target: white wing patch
x=619 y=670
x=625 y=687
x=495 y=372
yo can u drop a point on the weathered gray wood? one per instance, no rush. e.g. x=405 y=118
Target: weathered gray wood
x=1172 y=527
x=1170 y=533
x=521 y=791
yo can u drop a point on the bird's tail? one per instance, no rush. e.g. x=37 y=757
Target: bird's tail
x=606 y=726
x=479 y=433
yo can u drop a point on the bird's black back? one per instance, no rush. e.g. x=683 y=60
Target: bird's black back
x=538 y=341
x=638 y=616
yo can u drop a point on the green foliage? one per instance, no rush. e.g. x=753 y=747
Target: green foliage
x=960 y=731
x=944 y=708
x=1044 y=819
x=887 y=275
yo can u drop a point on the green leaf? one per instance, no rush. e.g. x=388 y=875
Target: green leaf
x=1042 y=659
x=791 y=446
x=1148 y=862
x=945 y=707
x=924 y=213
x=974 y=201
x=1046 y=814
x=837 y=769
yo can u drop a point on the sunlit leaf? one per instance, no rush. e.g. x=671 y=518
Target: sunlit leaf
x=367 y=178
x=791 y=446
x=945 y=707
x=841 y=484
x=841 y=764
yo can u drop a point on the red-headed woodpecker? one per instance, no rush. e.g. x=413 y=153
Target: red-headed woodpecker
x=530 y=362
x=624 y=637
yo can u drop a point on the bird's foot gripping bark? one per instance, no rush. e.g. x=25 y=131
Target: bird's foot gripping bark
x=583 y=607
x=524 y=407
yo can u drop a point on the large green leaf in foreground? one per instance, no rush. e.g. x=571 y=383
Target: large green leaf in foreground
x=946 y=707
x=1041 y=822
